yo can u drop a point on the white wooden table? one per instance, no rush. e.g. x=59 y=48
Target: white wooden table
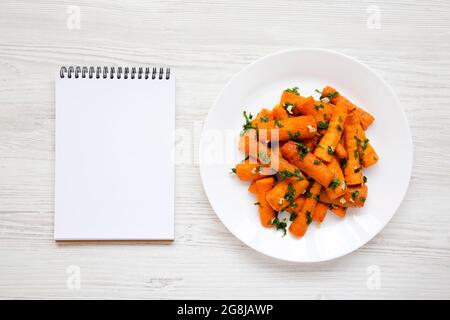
x=206 y=42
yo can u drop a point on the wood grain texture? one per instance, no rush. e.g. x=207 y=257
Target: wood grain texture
x=206 y=42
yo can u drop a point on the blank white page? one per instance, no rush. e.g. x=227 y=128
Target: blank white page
x=114 y=173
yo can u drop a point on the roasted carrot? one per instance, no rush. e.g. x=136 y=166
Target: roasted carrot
x=249 y=171
x=340 y=151
x=355 y=196
x=298 y=205
x=285 y=192
x=302 y=127
x=262 y=187
x=311 y=143
x=327 y=145
x=352 y=136
x=252 y=187
x=338 y=210
x=319 y=110
x=337 y=186
x=300 y=156
x=263 y=116
x=368 y=155
x=334 y=96
x=320 y=211
x=298 y=226
x=279 y=112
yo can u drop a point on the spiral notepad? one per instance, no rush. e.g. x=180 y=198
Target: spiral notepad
x=114 y=172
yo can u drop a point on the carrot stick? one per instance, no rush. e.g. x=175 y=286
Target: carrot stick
x=339 y=211
x=327 y=145
x=299 y=226
x=299 y=156
x=302 y=127
x=355 y=196
x=319 y=110
x=340 y=151
x=285 y=192
x=299 y=202
x=249 y=171
x=262 y=187
x=334 y=96
x=368 y=155
x=279 y=112
x=252 y=187
x=320 y=211
x=263 y=116
x=352 y=136
x=337 y=186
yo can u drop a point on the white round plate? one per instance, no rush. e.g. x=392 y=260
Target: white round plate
x=260 y=85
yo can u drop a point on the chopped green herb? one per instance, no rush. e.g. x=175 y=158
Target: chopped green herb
x=278 y=124
x=366 y=142
x=334 y=183
x=233 y=170
x=279 y=225
x=339 y=128
x=292 y=217
x=319 y=106
x=293 y=90
x=330 y=95
x=316 y=196
x=356 y=154
x=322 y=125
x=290 y=195
x=294 y=136
x=264 y=118
x=288 y=174
x=344 y=163
x=257 y=204
x=363 y=199
x=365 y=179
x=330 y=150
x=248 y=122
x=355 y=194
x=308 y=217
x=317 y=162
x=357 y=170
x=318 y=91
x=302 y=150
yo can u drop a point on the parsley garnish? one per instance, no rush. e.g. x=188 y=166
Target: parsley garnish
x=334 y=183
x=278 y=124
x=279 y=225
x=294 y=136
x=366 y=142
x=308 y=217
x=257 y=204
x=318 y=91
x=317 y=162
x=248 y=122
x=264 y=119
x=293 y=90
x=288 y=174
x=322 y=125
x=356 y=154
x=365 y=179
x=344 y=163
x=362 y=199
x=330 y=95
x=302 y=150
x=355 y=194
x=290 y=194
x=319 y=106
x=330 y=150
x=233 y=170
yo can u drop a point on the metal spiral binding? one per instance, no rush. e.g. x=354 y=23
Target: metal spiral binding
x=114 y=73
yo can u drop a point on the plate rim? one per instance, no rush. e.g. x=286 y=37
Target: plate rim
x=311 y=49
